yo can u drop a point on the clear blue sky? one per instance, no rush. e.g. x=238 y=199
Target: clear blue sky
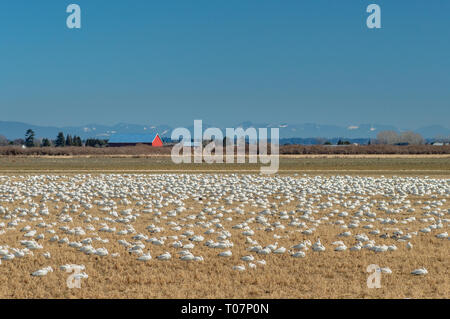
x=170 y=62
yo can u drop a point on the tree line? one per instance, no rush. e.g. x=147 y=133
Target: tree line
x=61 y=140
x=383 y=137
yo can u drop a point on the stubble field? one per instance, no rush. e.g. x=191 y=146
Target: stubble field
x=107 y=222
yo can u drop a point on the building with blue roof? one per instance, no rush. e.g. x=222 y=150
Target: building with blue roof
x=133 y=139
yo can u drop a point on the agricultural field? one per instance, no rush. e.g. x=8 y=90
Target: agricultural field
x=224 y=234
x=437 y=165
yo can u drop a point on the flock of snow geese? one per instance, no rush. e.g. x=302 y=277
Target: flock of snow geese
x=193 y=212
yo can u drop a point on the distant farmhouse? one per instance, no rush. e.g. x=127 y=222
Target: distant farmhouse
x=117 y=140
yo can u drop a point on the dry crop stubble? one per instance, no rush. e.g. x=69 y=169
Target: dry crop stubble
x=327 y=274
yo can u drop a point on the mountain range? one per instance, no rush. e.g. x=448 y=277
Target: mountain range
x=14 y=130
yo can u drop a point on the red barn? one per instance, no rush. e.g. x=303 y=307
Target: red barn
x=133 y=139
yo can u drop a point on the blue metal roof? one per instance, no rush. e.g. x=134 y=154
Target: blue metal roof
x=132 y=138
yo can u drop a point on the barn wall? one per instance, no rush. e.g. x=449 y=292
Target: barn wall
x=157 y=142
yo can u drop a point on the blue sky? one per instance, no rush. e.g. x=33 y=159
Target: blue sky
x=170 y=62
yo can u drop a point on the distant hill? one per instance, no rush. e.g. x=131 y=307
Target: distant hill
x=309 y=131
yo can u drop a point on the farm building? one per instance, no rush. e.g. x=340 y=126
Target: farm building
x=133 y=139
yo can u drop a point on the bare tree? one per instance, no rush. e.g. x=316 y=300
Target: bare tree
x=387 y=137
x=3 y=141
x=411 y=138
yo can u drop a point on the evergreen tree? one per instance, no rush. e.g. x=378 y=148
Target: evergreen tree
x=60 y=140
x=29 y=138
x=78 y=141
x=69 y=140
x=46 y=143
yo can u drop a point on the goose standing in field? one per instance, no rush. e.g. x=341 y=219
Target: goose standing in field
x=298 y=254
x=145 y=257
x=239 y=268
x=42 y=272
x=264 y=251
x=280 y=250
x=340 y=248
x=419 y=271
x=386 y=270
x=82 y=275
x=357 y=247
x=226 y=253
x=71 y=267
x=248 y=258
x=409 y=245
x=318 y=246
x=442 y=235
x=8 y=257
x=187 y=257
x=165 y=256
x=31 y=233
x=300 y=246
x=392 y=248
x=101 y=252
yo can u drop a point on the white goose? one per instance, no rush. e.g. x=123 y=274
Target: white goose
x=239 y=268
x=42 y=272
x=298 y=254
x=145 y=257
x=248 y=258
x=165 y=256
x=419 y=271
x=226 y=253
x=318 y=246
x=280 y=250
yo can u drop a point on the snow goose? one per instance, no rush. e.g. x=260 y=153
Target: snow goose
x=42 y=272
x=419 y=271
x=165 y=256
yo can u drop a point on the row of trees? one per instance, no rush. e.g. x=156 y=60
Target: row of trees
x=68 y=141
x=383 y=137
x=393 y=138
x=388 y=138
x=60 y=141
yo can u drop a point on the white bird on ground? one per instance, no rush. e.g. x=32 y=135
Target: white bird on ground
x=82 y=275
x=264 y=251
x=42 y=272
x=340 y=248
x=8 y=257
x=239 y=268
x=145 y=257
x=420 y=271
x=392 y=247
x=187 y=257
x=386 y=270
x=226 y=253
x=409 y=245
x=248 y=258
x=300 y=246
x=71 y=267
x=442 y=235
x=280 y=250
x=31 y=233
x=101 y=252
x=318 y=246
x=299 y=254
x=165 y=256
